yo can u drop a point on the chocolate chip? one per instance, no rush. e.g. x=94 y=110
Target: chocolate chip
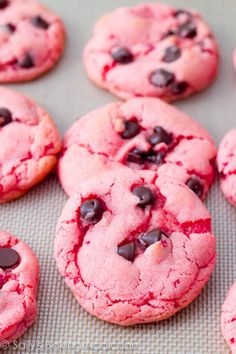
x=3 y=4
x=27 y=62
x=39 y=22
x=187 y=30
x=136 y=156
x=122 y=55
x=5 y=117
x=8 y=258
x=171 y=54
x=127 y=251
x=132 y=128
x=182 y=12
x=177 y=88
x=161 y=78
x=156 y=157
x=145 y=195
x=160 y=135
x=150 y=237
x=10 y=27
x=196 y=186
x=92 y=210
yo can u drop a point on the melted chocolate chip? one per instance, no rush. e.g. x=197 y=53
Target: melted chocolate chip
x=196 y=186
x=182 y=12
x=161 y=78
x=5 y=117
x=187 y=30
x=156 y=157
x=145 y=195
x=92 y=210
x=10 y=27
x=39 y=22
x=122 y=55
x=150 y=237
x=127 y=251
x=27 y=62
x=178 y=88
x=8 y=258
x=171 y=54
x=132 y=128
x=160 y=135
x=136 y=156
x=3 y=4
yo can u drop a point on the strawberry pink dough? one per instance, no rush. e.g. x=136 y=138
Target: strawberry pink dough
x=31 y=40
x=152 y=50
x=143 y=133
x=226 y=160
x=29 y=145
x=19 y=275
x=134 y=247
x=228 y=319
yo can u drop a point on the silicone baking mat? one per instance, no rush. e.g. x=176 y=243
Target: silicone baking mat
x=62 y=325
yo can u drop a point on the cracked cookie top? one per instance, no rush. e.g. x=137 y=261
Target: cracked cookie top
x=29 y=145
x=152 y=50
x=19 y=273
x=142 y=134
x=31 y=40
x=226 y=160
x=134 y=247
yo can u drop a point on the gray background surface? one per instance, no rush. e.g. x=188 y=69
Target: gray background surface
x=62 y=325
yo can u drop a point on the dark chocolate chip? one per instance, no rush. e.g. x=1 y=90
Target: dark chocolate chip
x=156 y=157
x=132 y=128
x=150 y=237
x=5 y=117
x=182 y=12
x=127 y=251
x=196 y=186
x=39 y=22
x=10 y=27
x=8 y=258
x=187 y=30
x=160 y=135
x=161 y=78
x=27 y=62
x=3 y=4
x=145 y=195
x=136 y=156
x=122 y=55
x=171 y=54
x=178 y=88
x=92 y=210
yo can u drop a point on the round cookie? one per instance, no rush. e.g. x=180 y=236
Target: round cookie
x=142 y=133
x=19 y=274
x=31 y=40
x=29 y=145
x=226 y=160
x=134 y=247
x=228 y=319
x=152 y=50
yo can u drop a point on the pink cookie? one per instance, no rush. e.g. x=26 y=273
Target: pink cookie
x=19 y=273
x=227 y=166
x=143 y=133
x=31 y=40
x=134 y=248
x=152 y=50
x=29 y=145
x=228 y=318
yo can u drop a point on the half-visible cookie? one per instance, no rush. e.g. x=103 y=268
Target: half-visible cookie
x=19 y=274
x=31 y=40
x=228 y=319
x=29 y=144
x=134 y=247
x=152 y=50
